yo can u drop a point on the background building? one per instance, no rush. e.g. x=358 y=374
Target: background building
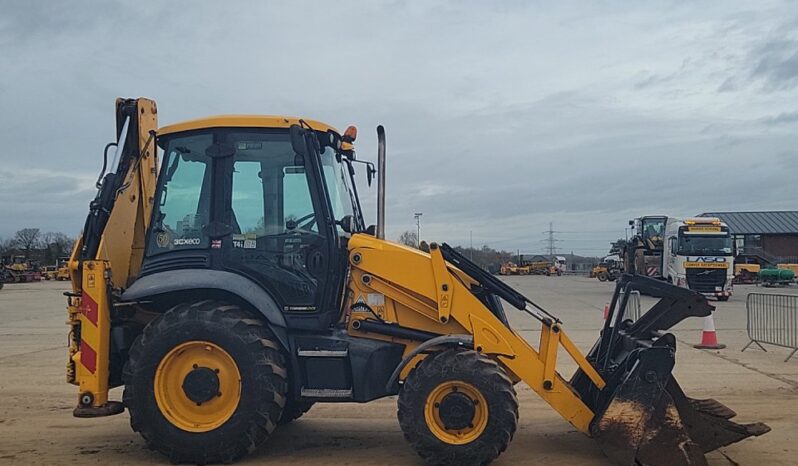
x=765 y=238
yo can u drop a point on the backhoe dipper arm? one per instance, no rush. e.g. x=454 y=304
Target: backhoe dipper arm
x=109 y=253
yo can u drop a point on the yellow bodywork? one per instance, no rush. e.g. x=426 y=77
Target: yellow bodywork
x=241 y=121
x=421 y=291
x=89 y=313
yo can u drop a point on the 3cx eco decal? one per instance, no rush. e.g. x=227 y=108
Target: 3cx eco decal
x=186 y=242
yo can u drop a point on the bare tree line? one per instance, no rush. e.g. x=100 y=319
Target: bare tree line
x=35 y=245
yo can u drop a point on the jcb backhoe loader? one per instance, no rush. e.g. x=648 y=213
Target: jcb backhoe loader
x=238 y=284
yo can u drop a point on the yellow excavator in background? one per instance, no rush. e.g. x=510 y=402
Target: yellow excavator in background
x=238 y=284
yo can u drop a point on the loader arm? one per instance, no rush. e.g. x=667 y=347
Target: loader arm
x=623 y=393
x=435 y=299
x=107 y=256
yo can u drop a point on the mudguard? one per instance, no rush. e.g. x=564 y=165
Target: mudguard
x=160 y=283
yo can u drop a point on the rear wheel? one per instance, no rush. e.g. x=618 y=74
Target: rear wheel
x=602 y=276
x=294 y=409
x=458 y=408
x=205 y=383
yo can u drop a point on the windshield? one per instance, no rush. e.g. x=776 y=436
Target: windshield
x=709 y=245
x=652 y=229
x=341 y=196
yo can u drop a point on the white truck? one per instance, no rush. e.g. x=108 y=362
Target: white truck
x=559 y=264
x=697 y=254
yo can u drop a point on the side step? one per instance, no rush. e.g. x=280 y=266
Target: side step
x=327 y=393
x=317 y=361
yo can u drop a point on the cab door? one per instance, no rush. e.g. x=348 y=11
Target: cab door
x=281 y=233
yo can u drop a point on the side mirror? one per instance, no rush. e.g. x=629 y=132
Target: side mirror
x=298 y=142
x=347 y=223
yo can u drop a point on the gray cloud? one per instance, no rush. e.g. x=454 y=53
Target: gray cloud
x=777 y=64
x=782 y=118
x=500 y=119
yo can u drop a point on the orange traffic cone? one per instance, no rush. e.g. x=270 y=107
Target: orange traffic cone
x=709 y=338
x=606 y=311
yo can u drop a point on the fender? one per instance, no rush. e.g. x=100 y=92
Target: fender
x=466 y=341
x=196 y=279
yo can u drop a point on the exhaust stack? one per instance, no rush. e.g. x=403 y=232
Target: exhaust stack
x=380 y=182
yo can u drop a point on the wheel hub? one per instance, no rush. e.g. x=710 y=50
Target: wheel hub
x=197 y=386
x=457 y=411
x=201 y=385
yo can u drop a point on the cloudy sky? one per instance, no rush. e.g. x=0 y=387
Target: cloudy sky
x=500 y=118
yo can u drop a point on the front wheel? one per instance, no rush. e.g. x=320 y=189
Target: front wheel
x=205 y=383
x=458 y=408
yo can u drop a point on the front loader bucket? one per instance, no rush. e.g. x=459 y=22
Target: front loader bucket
x=642 y=415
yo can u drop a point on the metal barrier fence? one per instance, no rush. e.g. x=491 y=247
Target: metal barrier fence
x=772 y=320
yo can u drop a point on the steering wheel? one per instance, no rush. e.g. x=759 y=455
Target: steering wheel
x=309 y=219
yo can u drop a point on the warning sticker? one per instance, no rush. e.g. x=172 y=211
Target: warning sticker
x=375 y=299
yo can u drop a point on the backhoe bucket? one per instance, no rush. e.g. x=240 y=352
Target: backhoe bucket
x=642 y=415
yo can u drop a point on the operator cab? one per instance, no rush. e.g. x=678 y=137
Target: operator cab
x=652 y=230
x=264 y=198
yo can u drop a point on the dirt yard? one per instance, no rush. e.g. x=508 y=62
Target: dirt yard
x=37 y=427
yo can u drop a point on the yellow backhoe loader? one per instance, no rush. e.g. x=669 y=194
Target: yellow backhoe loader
x=238 y=284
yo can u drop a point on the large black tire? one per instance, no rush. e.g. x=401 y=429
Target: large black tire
x=257 y=357
x=294 y=409
x=723 y=298
x=602 y=276
x=480 y=373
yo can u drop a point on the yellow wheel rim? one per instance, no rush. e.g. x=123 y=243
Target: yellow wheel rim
x=468 y=430
x=187 y=363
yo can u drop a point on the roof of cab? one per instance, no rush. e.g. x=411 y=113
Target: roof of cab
x=241 y=121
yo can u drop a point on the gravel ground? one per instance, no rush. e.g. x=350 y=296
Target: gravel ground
x=37 y=427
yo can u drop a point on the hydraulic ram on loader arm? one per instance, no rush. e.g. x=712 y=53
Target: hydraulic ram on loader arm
x=623 y=393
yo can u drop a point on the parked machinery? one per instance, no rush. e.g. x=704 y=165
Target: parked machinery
x=746 y=273
x=609 y=269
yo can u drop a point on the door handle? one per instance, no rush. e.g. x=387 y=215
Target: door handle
x=315 y=262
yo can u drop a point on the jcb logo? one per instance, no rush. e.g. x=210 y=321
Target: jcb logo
x=706 y=259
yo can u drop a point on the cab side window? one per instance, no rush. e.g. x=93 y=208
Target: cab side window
x=183 y=207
